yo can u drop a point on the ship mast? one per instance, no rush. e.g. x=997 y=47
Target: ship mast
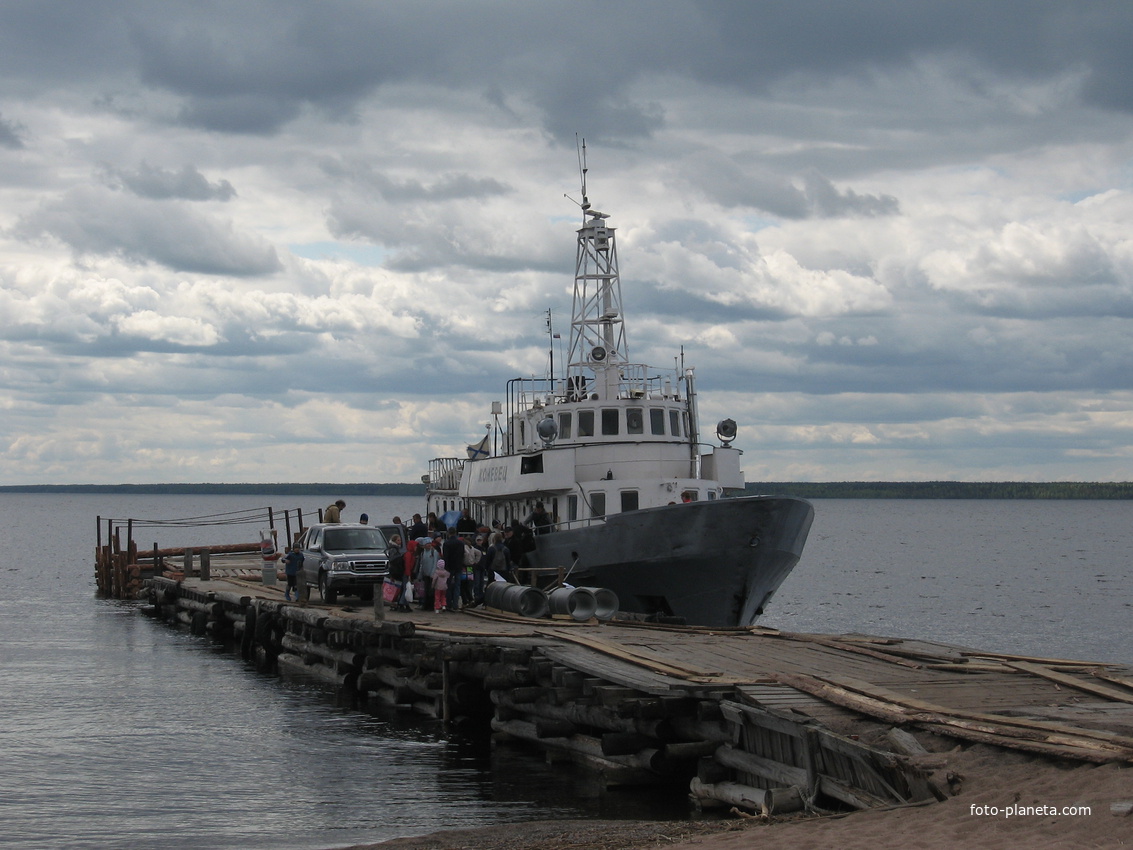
x=597 y=330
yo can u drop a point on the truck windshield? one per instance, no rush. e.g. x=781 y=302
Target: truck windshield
x=354 y=540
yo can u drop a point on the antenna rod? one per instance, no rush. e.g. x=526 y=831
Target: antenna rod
x=582 y=170
x=551 y=346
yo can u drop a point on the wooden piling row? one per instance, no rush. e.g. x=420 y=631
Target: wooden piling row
x=118 y=573
x=624 y=732
x=121 y=570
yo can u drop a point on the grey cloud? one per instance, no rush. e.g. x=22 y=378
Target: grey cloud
x=446 y=187
x=723 y=180
x=608 y=117
x=758 y=43
x=252 y=67
x=10 y=136
x=422 y=242
x=825 y=200
x=268 y=61
x=167 y=233
x=51 y=41
x=187 y=183
x=924 y=353
x=983 y=119
x=252 y=114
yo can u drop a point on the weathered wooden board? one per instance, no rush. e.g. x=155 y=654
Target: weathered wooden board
x=904 y=673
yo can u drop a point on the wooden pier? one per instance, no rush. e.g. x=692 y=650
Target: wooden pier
x=757 y=719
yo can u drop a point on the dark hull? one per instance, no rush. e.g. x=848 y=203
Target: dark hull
x=712 y=563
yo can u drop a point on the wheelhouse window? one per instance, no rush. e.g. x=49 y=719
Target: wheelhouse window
x=629 y=500
x=675 y=422
x=657 y=421
x=635 y=420
x=586 y=423
x=564 y=425
x=611 y=416
x=572 y=508
x=597 y=505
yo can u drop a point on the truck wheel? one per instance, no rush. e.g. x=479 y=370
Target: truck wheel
x=329 y=594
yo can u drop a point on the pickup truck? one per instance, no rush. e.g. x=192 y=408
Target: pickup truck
x=345 y=558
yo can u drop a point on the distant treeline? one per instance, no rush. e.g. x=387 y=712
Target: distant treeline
x=327 y=490
x=947 y=489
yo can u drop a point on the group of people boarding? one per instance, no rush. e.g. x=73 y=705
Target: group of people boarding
x=445 y=569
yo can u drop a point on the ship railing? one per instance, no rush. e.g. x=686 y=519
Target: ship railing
x=634 y=382
x=571 y=524
x=445 y=472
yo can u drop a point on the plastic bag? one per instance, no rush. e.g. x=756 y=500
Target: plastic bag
x=390 y=591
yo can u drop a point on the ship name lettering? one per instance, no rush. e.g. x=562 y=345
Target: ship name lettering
x=493 y=473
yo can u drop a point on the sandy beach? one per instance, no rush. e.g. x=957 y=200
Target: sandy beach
x=1002 y=801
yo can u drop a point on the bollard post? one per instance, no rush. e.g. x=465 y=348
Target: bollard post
x=188 y=563
x=379 y=605
x=269 y=556
x=304 y=592
x=206 y=565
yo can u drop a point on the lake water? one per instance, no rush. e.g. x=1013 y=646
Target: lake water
x=119 y=731
x=1046 y=578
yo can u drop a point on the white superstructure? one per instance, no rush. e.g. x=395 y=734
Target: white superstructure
x=611 y=436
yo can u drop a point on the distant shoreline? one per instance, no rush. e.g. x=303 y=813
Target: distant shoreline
x=805 y=490
x=947 y=489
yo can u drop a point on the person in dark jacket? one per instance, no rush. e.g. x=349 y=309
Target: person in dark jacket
x=497 y=559
x=418 y=529
x=292 y=566
x=397 y=572
x=466 y=524
x=539 y=520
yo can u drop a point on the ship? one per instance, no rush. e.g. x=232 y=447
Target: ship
x=606 y=467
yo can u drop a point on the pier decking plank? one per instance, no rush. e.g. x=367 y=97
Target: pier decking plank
x=896 y=678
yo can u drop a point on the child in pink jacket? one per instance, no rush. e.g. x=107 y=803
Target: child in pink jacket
x=440 y=587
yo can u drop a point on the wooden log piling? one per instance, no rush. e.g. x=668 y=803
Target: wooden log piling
x=623 y=735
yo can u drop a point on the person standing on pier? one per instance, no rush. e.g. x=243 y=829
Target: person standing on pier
x=426 y=566
x=452 y=551
x=397 y=572
x=292 y=566
x=539 y=521
x=440 y=586
x=497 y=560
x=418 y=529
x=334 y=512
x=479 y=569
x=466 y=524
x=403 y=531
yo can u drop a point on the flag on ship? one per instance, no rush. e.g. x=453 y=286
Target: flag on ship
x=478 y=451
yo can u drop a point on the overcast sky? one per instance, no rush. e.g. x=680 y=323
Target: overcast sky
x=286 y=241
